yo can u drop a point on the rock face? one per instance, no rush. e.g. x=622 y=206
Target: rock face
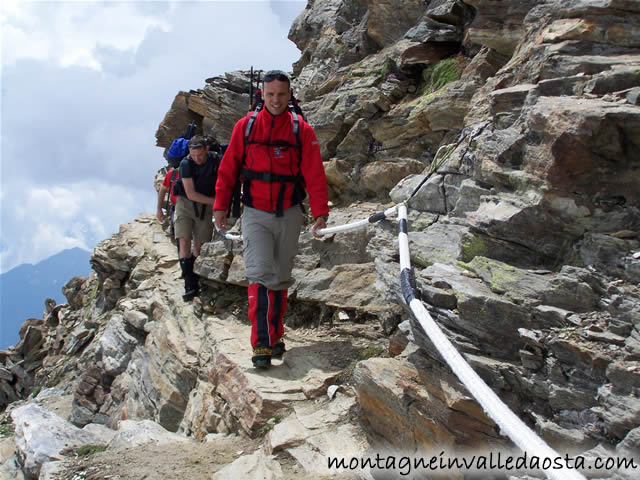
x=215 y=109
x=41 y=436
x=511 y=130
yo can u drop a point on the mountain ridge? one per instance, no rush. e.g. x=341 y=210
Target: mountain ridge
x=25 y=287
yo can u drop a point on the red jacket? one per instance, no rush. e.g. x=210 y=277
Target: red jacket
x=275 y=160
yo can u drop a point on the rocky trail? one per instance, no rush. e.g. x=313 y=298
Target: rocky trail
x=287 y=423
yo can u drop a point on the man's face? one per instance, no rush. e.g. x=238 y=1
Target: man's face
x=199 y=155
x=276 y=96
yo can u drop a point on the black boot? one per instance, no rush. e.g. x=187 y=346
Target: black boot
x=190 y=287
x=195 y=278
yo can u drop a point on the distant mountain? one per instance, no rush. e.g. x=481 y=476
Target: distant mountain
x=23 y=289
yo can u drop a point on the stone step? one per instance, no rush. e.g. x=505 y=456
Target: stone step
x=256 y=395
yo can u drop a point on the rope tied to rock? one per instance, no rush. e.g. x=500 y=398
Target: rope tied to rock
x=519 y=433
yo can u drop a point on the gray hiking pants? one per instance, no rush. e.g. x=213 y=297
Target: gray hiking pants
x=270 y=245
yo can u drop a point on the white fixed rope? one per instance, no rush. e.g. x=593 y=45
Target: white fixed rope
x=376 y=217
x=226 y=235
x=519 y=433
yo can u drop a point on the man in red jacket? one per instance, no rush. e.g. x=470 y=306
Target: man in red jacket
x=276 y=166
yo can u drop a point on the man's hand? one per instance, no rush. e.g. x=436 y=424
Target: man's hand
x=321 y=222
x=220 y=217
x=160 y=215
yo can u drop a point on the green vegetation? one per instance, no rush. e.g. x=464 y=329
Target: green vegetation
x=36 y=391
x=6 y=430
x=92 y=295
x=369 y=352
x=439 y=74
x=91 y=300
x=52 y=382
x=276 y=419
x=264 y=429
x=363 y=354
x=384 y=71
x=435 y=77
x=86 y=450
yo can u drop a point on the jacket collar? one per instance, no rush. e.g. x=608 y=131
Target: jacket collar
x=283 y=117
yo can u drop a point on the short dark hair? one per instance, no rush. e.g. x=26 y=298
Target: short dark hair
x=211 y=142
x=197 y=141
x=272 y=75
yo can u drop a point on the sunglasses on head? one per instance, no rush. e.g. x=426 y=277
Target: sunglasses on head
x=276 y=75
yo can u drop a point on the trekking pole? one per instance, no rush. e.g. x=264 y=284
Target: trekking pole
x=251 y=89
x=191 y=130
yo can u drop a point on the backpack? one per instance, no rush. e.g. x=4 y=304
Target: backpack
x=170 y=207
x=172 y=182
x=247 y=175
x=180 y=147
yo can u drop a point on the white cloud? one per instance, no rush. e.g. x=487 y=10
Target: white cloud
x=60 y=200
x=61 y=217
x=32 y=29
x=84 y=87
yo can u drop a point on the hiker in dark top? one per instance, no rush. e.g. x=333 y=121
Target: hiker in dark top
x=193 y=217
x=278 y=161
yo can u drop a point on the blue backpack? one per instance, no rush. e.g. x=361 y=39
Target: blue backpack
x=180 y=147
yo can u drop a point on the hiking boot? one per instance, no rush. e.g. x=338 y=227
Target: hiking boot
x=189 y=295
x=191 y=287
x=278 y=350
x=261 y=357
x=195 y=283
x=190 y=279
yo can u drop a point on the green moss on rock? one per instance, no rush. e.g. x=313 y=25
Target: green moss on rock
x=474 y=247
x=87 y=450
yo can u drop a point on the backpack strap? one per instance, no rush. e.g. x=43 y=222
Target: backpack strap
x=195 y=209
x=252 y=119
x=296 y=126
x=237 y=189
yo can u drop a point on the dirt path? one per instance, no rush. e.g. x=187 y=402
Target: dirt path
x=193 y=461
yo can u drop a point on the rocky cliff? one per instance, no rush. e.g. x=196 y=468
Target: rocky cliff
x=524 y=117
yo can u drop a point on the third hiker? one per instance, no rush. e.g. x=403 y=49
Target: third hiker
x=193 y=216
x=276 y=155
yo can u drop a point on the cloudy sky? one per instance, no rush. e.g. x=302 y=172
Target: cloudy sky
x=84 y=86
